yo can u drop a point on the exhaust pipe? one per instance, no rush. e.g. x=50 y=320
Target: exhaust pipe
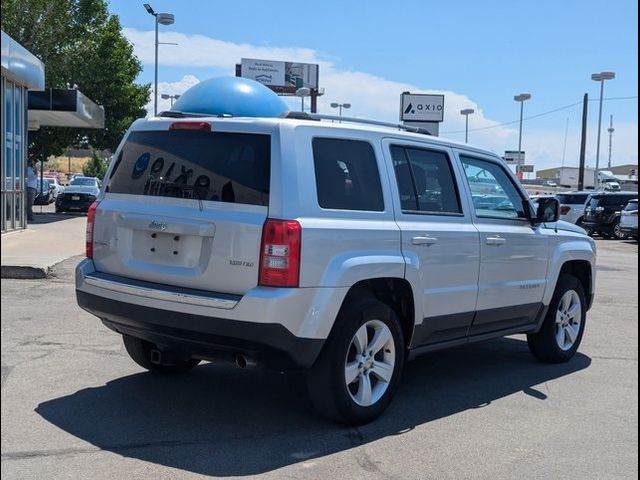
x=243 y=362
x=156 y=357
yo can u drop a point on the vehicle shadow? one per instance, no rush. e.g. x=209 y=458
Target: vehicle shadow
x=49 y=217
x=222 y=421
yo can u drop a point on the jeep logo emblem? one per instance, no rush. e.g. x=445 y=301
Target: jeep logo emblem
x=156 y=225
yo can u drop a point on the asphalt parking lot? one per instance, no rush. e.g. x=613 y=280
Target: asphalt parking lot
x=75 y=406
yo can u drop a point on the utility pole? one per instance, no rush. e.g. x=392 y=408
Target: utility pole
x=610 y=130
x=583 y=141
x=564 y=146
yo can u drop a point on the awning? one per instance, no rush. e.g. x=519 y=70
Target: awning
x=56 y=107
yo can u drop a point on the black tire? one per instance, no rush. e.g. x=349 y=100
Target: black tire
x=140 y=352
x=615 y=231
x=543 y=345
x=326 y=382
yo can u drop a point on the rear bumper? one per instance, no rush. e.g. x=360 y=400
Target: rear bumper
x=596 y=225
x=69 y=205
x=282 y=328
x=629 y=229
x=205 y=337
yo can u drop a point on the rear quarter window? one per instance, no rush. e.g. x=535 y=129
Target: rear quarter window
x=572 y=199
x=211 y=166
x=347 y=176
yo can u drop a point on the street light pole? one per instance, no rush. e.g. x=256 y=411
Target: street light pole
x=523 y=97
x=340 y=106
x=610 y=130
x=164 y=19
x=166 y=96
x=600 y=77
x=303 y=92
x=155 y=72
x=466 y=112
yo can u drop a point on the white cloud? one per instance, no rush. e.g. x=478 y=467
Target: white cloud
x=171 y=88
x=374 y=97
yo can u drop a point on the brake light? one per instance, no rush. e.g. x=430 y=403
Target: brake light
x=91 y=220
x=280 y=253
x=197 y=126
x=564 y=209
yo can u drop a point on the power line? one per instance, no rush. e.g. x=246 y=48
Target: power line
x=549 y=112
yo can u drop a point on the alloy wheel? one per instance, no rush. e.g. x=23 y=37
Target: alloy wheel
x=370 y=363
x=568 y=320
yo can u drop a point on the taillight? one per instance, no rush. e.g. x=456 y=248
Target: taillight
x=564 y=210
x=198 y=126
x=91 y=220
x=280 y=253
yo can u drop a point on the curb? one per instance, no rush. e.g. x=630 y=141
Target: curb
x=24 y=272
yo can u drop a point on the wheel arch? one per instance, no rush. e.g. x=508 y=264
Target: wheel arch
x=394 y=292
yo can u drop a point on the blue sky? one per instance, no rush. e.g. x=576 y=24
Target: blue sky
x=479 y=53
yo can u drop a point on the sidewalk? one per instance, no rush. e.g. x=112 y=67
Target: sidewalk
x=32 y=253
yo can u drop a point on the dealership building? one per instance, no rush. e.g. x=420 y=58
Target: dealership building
x=27 y=106
x=21 y=71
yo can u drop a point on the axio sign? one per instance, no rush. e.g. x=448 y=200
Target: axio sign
x=417 y=107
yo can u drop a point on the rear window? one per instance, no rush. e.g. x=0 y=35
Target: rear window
x=347 y=175
x=610 y=200
x=84 y=182
x=572 y=198
x=212 y=166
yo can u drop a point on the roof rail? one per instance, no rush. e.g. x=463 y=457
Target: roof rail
x=319 y=116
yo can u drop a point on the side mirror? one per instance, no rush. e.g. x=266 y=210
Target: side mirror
x=548 y=210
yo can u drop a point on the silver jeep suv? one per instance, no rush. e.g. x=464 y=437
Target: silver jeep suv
x=339 y=249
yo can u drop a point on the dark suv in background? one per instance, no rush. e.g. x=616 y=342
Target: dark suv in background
x=602 y=213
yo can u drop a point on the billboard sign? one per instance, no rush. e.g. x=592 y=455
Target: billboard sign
x=514 y=157
x=525 y=168
x=278 y=74
x=418 y=107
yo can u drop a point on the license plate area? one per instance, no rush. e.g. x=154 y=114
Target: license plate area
x=75 y=197
x=171 y=249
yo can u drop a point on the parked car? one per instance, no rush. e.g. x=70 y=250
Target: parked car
x=337 y=249
x=79 y=195
x=45 y=192
x=603 y=211
x=572 y=205
x=55 y=186
x=629 y=219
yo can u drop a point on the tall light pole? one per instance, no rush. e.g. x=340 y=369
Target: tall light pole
x=166 y=96
x=610 y=130
x=164 y=19
x=466 y=112
x=340 y=106
x=523 y=97
x=600 y=77
x=303 y=92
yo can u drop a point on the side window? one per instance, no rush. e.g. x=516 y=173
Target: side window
x=425 y=181
x=494 y=194
x=347 y=176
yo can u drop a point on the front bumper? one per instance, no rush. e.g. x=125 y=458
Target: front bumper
x=629 y=229
x=283 y=329
x=66 y=204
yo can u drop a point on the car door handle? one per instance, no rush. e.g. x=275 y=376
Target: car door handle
x=424 y=240
x=498 y=240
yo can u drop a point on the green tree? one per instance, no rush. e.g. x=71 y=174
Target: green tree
x=96 y=166
x=80 y=44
